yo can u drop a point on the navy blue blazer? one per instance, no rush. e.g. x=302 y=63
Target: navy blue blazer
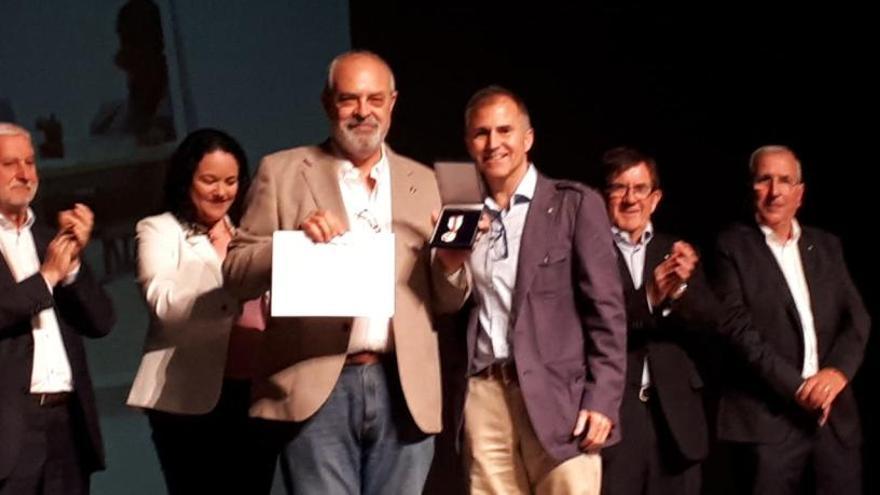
x=761 y=321
x=82 y=309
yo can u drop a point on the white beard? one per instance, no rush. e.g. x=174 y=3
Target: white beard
x=355 y=144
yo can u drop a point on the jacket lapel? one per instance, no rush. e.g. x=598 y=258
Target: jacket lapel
x=403 y=187
x=808 y=259
x=201 y=245
x=654 y=253
x=5 y=272
x=536 y=239
x=321 y=176
x=809 y=262
x=772 y=268
x=625 y=275
x=42 y=237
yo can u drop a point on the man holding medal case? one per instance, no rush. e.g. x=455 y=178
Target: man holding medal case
x=461 y=190
x=546 y=335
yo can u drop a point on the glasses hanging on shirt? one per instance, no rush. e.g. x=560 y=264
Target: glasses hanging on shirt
x=369 y=220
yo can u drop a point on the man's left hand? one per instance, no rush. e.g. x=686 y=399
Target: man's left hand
x=597 y=427
x=819 y=391
x=671 y=275
x=77 y=222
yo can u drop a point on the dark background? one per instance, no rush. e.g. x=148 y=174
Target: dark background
x=697 y=86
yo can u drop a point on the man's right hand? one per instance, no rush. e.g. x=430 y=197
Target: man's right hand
x=671 y=275
x=454 y=259
x=322 y=226
x=61 y=258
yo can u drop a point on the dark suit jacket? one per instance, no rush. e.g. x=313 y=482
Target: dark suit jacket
x=666 y=341
x=82 y=308
x=567 y=315
x=761 y=320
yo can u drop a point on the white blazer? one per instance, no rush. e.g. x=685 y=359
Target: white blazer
x=191 y=317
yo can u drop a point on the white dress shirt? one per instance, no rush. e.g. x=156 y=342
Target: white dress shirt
x=368 y=211
x=788 y=256
x=51 y=371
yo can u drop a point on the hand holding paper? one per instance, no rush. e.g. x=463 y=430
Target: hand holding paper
x=349 y=275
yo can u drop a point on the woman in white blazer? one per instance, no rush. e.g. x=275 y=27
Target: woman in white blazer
x=193 y=381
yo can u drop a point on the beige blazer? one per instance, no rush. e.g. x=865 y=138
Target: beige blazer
x=302 y=357
x=191 y=316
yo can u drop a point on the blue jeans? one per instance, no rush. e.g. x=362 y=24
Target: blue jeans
x=361 y=441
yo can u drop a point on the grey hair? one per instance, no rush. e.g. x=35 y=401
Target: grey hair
x=771 y=149
x=10 y=129
x=489 y=94
x=331 y=69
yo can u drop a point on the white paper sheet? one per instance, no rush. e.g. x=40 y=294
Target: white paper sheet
x=351 y=276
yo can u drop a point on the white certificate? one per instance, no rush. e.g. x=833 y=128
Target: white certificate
x=353 y=275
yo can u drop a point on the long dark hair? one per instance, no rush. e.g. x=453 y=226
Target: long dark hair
x=185 y=162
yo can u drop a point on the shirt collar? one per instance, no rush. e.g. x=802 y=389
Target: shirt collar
x=524 y=192
x=771 y=236
x=621 y=237
x=349 y=173
x=6 y=224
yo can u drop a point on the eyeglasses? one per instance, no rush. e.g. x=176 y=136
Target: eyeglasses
x=369 y=219
x=497 y=235
x=639 y=191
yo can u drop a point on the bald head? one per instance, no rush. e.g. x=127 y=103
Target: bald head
x=356 y=57
x=359 y=97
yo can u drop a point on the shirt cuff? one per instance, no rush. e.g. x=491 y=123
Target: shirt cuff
x=71 y=277
x=458 y=278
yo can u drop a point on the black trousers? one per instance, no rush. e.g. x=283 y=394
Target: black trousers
x=50 y=461
x=223 y=451
x=645 y=461
x=809 y=460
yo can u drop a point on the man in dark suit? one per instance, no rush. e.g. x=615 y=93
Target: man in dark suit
x=547 y=336
x=48 y=424
x=662 y=419
x=799 y=328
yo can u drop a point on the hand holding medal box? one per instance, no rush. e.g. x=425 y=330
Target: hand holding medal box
x=461 y=191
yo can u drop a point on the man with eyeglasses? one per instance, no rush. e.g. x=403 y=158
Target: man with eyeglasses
x=547 y=337
x=355 y=400
x=667 y=305
x=799 y=329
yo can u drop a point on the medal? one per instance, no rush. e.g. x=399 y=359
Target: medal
x=452 y=225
